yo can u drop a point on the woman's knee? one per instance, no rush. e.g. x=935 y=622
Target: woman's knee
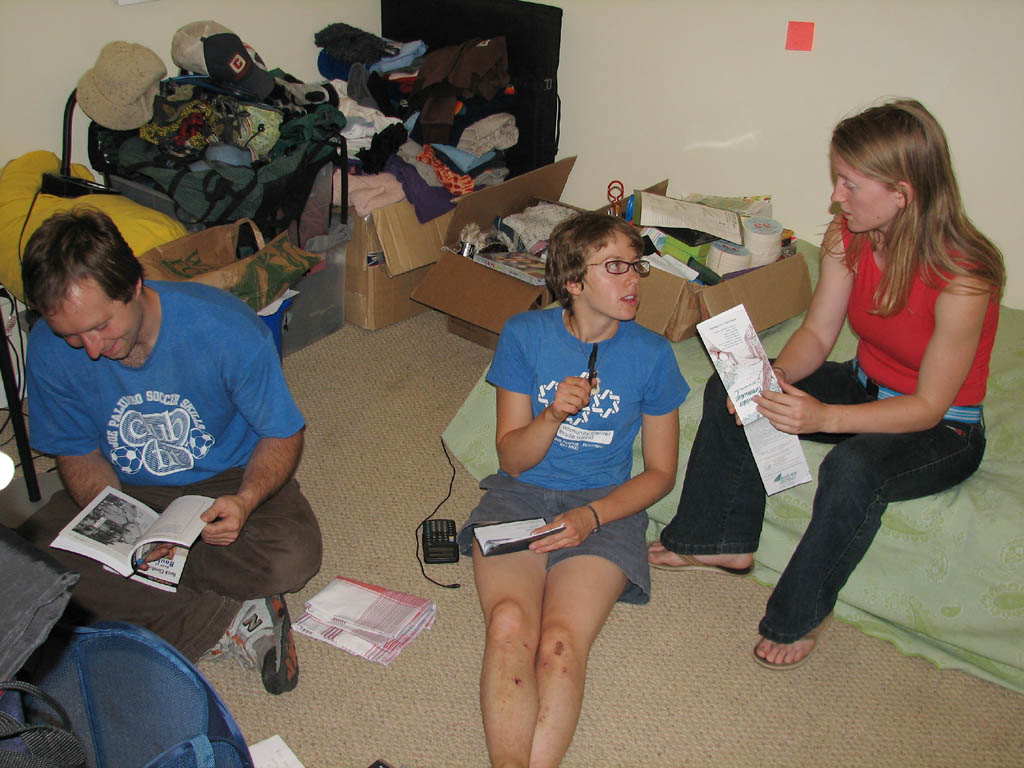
x=851 y=490
x=849 y=468
x=559 y=652
x=714 y=391
x=509 y=622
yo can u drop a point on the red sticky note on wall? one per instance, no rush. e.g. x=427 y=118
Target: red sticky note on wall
x=800 y=36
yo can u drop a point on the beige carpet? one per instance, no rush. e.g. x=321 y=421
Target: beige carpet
x=670 y=683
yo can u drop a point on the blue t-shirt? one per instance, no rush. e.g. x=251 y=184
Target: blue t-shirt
x=637 y=372
x=210 y=389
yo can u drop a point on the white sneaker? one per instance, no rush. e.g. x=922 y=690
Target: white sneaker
x=260 y=637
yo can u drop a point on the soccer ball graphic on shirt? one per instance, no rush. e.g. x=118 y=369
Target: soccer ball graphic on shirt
x=161 y=443
x=127 y=459
x=199 y=442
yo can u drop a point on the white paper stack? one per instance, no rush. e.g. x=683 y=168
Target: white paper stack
x=365 y=620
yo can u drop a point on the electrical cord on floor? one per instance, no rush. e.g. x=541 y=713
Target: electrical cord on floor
x=451 y=484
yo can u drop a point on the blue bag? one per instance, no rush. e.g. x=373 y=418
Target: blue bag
x=134 y=700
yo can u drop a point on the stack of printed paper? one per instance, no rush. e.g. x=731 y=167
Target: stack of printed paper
x=365 y=620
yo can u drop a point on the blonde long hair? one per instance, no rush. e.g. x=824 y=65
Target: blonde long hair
x=931 y=237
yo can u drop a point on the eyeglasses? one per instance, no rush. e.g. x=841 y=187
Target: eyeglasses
x=617 y=267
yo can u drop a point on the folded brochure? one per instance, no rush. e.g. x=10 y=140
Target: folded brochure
x=746 y=371
x=514 y=536
x=119 y=531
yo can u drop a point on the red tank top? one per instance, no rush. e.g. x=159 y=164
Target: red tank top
x=890 y=348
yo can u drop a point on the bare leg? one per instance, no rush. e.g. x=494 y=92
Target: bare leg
x=656 y=553
x=511 y=590
x=569 y=626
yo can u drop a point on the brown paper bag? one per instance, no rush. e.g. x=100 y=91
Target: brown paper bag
x=222 y=256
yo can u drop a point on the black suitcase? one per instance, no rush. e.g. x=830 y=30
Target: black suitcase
x=533 y=35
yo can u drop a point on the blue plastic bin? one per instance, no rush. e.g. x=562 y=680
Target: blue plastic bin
x=276 y=321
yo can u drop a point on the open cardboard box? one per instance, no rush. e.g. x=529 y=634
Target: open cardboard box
x=379 y=294
x=388 y=255
x=477 y=299
x=772 y=293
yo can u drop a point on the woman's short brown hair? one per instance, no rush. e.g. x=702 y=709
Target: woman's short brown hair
x=574 y=240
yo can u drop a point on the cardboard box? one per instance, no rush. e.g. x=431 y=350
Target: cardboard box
x=672 y=306
x=478 y=298
x=390 y=253
x=374 y=297
x=772 y=293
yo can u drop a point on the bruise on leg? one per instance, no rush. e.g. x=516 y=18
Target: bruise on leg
x=559 y=648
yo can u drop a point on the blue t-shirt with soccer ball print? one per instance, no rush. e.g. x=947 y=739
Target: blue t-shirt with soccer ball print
x=210 y=389
x=637 y=374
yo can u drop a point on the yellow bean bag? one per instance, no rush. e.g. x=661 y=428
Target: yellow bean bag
x=143 y=228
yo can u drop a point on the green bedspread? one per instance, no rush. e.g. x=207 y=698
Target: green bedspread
x=944 y=578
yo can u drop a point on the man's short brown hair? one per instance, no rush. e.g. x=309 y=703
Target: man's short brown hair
x=77 y=245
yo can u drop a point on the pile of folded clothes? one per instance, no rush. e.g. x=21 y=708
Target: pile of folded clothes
x=434 y=123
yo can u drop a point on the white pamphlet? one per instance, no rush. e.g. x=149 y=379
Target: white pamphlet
x=514 y=536
x=273 y=752
x=746 y=371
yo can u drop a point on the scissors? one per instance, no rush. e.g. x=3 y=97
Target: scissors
x=615 y=192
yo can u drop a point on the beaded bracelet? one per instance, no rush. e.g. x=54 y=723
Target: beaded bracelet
x=597 y=520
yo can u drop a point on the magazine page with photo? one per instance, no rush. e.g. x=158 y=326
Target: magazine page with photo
x=120 y=532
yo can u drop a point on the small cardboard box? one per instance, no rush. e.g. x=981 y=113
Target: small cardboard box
x=772 y=293
x=477 y=299
x=376 y=295
x=390 y=253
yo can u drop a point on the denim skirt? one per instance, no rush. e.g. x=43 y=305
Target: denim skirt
x=623 y=542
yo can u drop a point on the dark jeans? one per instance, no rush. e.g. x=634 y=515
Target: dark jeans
x=278 y=550
x=721 y=508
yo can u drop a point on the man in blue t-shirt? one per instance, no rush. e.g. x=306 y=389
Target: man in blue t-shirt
x=163 y=390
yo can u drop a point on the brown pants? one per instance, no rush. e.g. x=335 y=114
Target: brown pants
x=278 y=550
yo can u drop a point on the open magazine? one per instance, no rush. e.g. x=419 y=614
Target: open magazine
x=119 y=531
x=522 y=266
x=502 y=538
x=746 y=371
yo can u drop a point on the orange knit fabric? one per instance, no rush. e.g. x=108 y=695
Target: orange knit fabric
x=455 y=183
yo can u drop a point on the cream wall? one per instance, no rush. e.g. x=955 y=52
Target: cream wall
x=702 y=93
x=705 y=94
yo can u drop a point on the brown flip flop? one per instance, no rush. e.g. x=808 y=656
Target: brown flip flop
x=691 y=563
x=814 y=635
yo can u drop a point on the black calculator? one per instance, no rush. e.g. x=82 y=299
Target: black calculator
x=439 y=541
